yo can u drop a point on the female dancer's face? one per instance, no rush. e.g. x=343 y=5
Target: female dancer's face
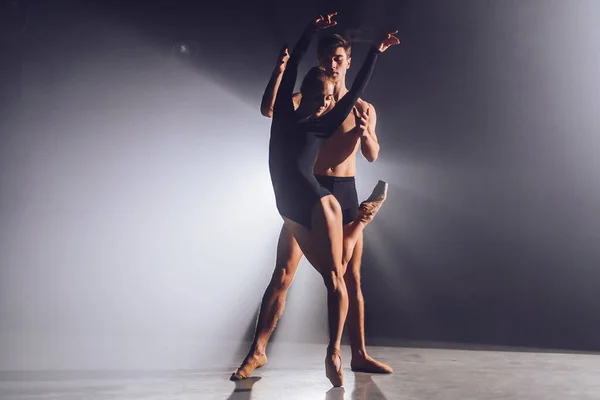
x=320 y=99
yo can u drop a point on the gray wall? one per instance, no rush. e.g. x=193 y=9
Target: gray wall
x=491 y=147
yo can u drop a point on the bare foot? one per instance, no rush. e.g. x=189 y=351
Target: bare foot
x=370 y=365
x=333 y=368
x=251 y=362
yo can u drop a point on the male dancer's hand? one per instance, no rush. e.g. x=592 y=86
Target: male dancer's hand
x=282 y=59
x=325 y=21
x=361 y=122
x=388 y=41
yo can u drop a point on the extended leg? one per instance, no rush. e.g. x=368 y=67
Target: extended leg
x=367 y=211
x=273 y=302
x=322 y=246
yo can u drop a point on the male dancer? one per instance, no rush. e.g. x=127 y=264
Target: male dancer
x=335 y=169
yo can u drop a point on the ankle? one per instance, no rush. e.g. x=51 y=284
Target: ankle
x=257 y=351
x=333 y=349
x=359 y=353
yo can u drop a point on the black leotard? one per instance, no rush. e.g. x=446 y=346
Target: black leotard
x=295 y=142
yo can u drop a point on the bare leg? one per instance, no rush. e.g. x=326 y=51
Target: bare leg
x=366 y=212
x=322 y=246
x=353 y=232
x=361 y=362
x=273 y=302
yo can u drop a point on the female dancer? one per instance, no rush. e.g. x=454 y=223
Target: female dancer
x=309 y=211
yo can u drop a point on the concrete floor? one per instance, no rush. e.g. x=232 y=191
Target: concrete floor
x=296 y=372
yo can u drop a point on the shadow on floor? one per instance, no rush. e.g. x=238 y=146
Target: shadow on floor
x=243 y=389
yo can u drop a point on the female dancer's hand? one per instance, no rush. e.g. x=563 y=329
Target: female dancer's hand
x=361 y=122
x=325 y=21
x=388 y=41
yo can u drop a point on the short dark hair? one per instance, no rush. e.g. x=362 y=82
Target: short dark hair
x=315 y=77
x=331 y=42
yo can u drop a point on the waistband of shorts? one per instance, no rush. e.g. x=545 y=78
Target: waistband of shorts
x=329 y=178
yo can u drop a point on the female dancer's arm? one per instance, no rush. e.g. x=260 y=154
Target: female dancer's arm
x=283 y=100
x=268 y=98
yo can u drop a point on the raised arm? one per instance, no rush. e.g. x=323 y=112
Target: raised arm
x=335 y=117
x=283 y=100
x=268 y=99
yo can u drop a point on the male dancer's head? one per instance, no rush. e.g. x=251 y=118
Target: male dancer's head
x=327 y=82
x=335 y=54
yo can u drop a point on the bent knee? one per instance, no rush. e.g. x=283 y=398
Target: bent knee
x=334 y=280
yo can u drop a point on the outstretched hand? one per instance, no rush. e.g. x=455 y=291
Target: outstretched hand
x=325 y=21
x=388 y=41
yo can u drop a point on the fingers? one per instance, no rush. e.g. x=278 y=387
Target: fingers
x=283 y=50
x=389 y=40
x=329 y=20
x=363 y=124
x=362 y=121
x=283 y=55
x=325 y=20
x=329 y=16
x=391 y=34
x=393 y=39
x=364 y=115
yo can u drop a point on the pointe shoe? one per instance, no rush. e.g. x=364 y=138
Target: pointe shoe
x=369 y=207
x=333 y=373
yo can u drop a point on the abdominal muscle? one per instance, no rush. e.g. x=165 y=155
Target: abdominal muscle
x=337 y=157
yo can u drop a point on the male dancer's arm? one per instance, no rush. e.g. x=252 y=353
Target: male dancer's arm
x=369 y=145
x=268 y=99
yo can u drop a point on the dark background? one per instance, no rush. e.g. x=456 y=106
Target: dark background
x=488 y=122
